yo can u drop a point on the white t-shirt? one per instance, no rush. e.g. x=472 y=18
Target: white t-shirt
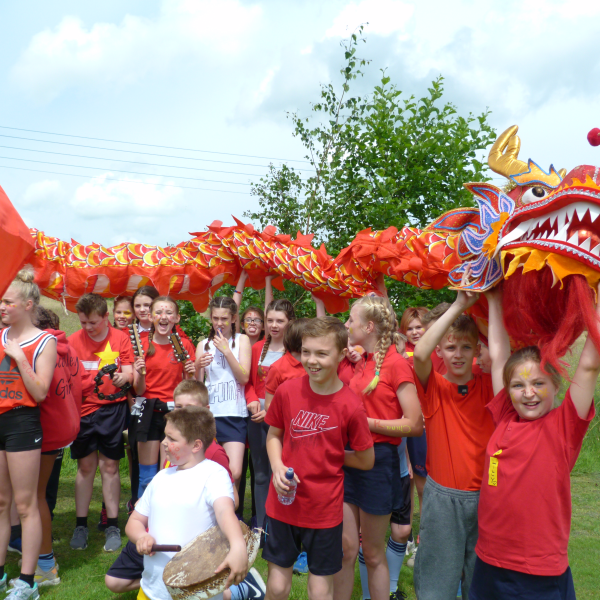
x=179 y=506
x=226 y=396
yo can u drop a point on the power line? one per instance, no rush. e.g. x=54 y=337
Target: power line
x=45 y=162
x=136 y=162
x=122 y=180
x=226 y=162
x=82 y=137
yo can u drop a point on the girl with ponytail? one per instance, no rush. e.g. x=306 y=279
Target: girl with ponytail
x=223 y=363
x=27 y=362
x=384 y=381
x=156 y=375
x=279 y=314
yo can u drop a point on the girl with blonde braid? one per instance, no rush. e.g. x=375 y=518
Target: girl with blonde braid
x=384 y=381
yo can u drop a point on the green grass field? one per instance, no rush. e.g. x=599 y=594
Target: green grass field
x=82 y=572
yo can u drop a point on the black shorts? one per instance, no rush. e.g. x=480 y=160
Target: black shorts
x=402 y=516
x=20 y=429
x=417 y=453
x=378 y=491
x=129 y=564
x=495 y=583
x=102 y=431
x=231 y=429
x=323 y=547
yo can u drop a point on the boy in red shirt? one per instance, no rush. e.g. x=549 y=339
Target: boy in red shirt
x=310 y=418
x=458 y=428
x=103 y=413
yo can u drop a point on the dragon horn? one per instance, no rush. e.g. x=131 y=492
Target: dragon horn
x=562 y=173
x=503 y=155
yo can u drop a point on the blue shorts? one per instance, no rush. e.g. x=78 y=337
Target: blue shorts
x=378 y=491
x=417 y=452
x=495 y=583
x=231 y=429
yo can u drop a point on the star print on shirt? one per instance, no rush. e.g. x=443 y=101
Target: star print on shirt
x=107 y=356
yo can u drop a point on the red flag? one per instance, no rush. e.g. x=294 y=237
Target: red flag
x=15 y=241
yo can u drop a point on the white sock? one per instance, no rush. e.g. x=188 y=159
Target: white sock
x=395 y=556
x=364 y=577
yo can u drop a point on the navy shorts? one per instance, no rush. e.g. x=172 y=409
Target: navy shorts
x=378 y=491
x=402 y=516
x=323 y=547
x=231 y=429
x=102 y=431
x=129 y=564
x=417 y=452
x=20 y=429
x=495 y=583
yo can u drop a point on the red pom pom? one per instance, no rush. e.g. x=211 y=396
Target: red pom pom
x=594 y=137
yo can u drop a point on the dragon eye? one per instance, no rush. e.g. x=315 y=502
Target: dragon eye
x=534 y=194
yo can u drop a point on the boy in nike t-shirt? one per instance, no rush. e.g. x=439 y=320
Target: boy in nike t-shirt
x=312 y=421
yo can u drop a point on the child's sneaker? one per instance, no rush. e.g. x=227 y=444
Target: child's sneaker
x=22 y=591
x=411 y=546
x=80 y=538
x=301 y=564
x=3 y=586
x=255 y=584
x=113 y=539
x=47 y=577
x=15 y=546
x=411 y=561
x=103 y=522
x=398 y=595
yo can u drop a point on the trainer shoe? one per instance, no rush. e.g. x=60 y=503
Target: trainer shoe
x=3 y=586
x=15 y=546
x=103 y=522
x=301 y=564
x=411 y=561
x=22 y=591
x=255 y=584
x=113 y=539
x=80 y=538
x=398 y=595
x=50 y=577
x=411 y=546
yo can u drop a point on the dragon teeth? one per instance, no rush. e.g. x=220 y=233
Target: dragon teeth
x=585 y=245
x=574 y=239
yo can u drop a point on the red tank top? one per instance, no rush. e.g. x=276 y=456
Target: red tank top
x=13 y=392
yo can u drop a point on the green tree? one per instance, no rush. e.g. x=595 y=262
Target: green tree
x=377 y=161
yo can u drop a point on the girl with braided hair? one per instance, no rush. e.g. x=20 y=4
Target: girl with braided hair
x=223 y=363
x=156 y=374
x=384 y=381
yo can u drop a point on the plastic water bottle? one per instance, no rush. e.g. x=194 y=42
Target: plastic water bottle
x=291 y=495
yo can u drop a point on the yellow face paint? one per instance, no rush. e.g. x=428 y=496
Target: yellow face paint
x=525 y=372
x=127 y=314
x=543 y=392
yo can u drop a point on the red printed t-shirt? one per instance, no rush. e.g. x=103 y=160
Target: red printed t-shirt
x=382 y=403
x=458 y=429
x=528 y=484
x=115 y=348
x=316 y=430
x=163 y=371
x=287 y=367
x=13 y=392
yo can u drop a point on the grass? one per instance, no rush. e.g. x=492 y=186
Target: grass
x=82 y=572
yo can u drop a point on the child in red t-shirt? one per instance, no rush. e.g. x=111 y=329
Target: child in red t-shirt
x=311 y=418
x=527 y=469
x=103 y=414
x=458 y=428
x=156 y=375
x=384 y=382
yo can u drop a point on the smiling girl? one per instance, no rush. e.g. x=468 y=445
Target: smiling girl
x=385 y=383
x=163 y=373
x=123 y=312
x=142 y=306
x=27 y=362
x=412 y=328
x=528 y=462
x=253 y=319
x=223 y=363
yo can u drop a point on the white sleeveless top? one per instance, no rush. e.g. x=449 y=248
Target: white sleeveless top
x=225 y=395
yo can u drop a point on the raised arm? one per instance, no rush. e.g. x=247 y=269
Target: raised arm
x=499 y=343
x=268 y=291
x=239 y=288
x=320 y=306
x=586 y=375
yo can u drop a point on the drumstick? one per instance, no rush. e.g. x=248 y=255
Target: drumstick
x=165 y=548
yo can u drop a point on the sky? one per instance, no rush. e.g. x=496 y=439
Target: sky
x=200 y=91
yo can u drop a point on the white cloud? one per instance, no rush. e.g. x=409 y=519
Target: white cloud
x=103 y=197
x=109 y=53
x=384 y=17
x=42 y=194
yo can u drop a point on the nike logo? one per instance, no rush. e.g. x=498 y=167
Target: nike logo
x=36 y=441
x=307 y=423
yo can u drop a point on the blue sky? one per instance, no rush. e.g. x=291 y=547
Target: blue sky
x=219 y=76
